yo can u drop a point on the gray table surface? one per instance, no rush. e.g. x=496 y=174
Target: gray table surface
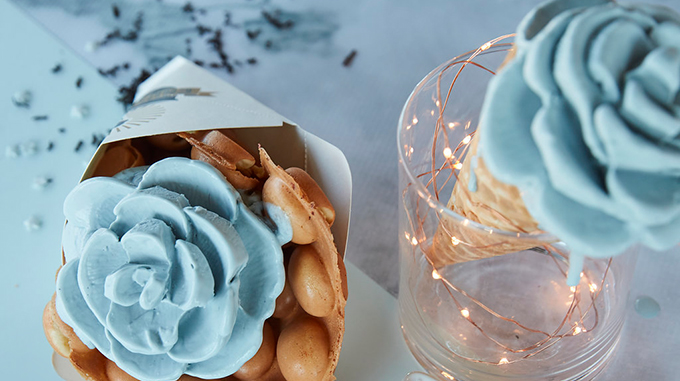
x=298 y=71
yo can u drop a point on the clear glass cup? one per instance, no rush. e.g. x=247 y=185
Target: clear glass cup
x=509 y=316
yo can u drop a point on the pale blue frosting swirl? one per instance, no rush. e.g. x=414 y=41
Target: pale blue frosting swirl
x=585 y=121
x=168 y=272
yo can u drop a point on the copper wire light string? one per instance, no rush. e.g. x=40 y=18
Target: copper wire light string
x=418 y=237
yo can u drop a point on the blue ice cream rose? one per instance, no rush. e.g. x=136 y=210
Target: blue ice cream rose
x=585 y=121
x=167 y=271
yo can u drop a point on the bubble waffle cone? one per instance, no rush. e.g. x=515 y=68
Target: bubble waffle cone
x=303 y=338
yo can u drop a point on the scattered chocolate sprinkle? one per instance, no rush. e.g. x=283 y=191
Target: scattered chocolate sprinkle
x=218 y=46
x=79 y=146
x=127 y=93
x=268 y=44
x=50 y=146
x=188 y=8
x=202 y=29
x=199 y=62
x=347 y=62
x=252 y=34
x=113 y=71
x=116 y=11
x=40 y=117
x=187 y=41
x=97 y=139
x=227 y=18
x=79 y=82
x=215 y=65
x=56 y=68
x=137 y=25
x=275 y=20
x=131 y=35
x=252 y=60
x=62 y=130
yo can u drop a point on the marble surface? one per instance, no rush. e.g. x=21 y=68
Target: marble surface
x=297 y=69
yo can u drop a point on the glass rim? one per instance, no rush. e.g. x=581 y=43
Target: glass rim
x=493 y=46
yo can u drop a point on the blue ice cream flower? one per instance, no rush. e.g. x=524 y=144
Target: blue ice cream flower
x=167 y=271
x=585 y=121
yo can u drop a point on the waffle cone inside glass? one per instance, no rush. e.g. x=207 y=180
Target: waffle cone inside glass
x=479 y=197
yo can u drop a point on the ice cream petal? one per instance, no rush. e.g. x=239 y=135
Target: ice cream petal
x=630 y=150
x=150 y=242
x=90 y=204
x=588 y=231
x=659 y=74
x=241 y=347
x=143 y=331
x=192 y=281
x=205 y=331
x=568 y=162
x=509 y=150
x=263 y=279
x=199 y=182
x=648 y=198
x=220 y=243
x=618 y=47
x=102 y=255
x=75 y=312
x=120 y=286
x=154 y=202
x=145 y=367
x=132 y=176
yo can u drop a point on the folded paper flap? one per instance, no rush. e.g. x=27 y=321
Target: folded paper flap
x=182 y=96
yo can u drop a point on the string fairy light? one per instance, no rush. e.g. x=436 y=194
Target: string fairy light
x=582 y=313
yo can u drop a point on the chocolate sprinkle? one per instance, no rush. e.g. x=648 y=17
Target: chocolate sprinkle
x=79 y=82
x=252 y=34
x=79 y=146
x=127 y=93
x=199 y=62
x=131 y=35
x=188 y=8
x=57 y=68
x=50 y=146
x=97 y=139
x=252 y=60
x=40 y=117
x=62 y=130
x=112 y=72
x=116 y=11
x=275 y=20
x=218 y=46
x=347 y=62
x=202 y=29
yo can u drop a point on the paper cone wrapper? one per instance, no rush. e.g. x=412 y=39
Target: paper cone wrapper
x=184 y=97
